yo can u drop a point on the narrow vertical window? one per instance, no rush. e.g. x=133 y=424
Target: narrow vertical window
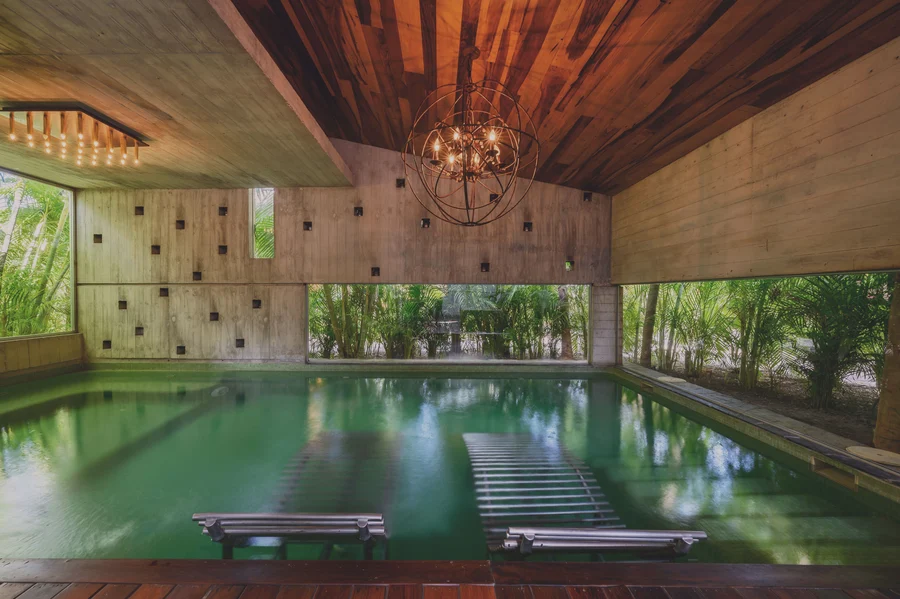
x=262 y=222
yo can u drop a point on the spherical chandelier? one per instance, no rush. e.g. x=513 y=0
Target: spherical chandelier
x=472 y=152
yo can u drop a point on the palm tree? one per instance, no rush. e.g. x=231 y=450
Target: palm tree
x=838 y=314
x=649 y=323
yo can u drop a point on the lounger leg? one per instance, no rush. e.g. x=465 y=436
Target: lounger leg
x=326 y=551
x=227 y=551
x=281 y=552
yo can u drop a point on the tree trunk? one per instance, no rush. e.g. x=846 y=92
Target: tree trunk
x=9 y=226
x=566 y=335
x=51 y=257
x=887 y=425
x=649 y=323
x=670 y=350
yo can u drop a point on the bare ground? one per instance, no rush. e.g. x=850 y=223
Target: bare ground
x=852 y=415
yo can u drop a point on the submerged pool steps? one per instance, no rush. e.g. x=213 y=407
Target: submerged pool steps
x=533 y=495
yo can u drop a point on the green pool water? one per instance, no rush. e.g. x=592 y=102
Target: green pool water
x=113 y=464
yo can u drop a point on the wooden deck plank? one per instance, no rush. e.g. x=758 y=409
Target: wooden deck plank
x=511 y=592
x=369 y=591
x=189 y=591
x=43 y=591
x=250 y=579
x=260 y=591
x=11 y=590
x=80 y=590
x=476 y=591
x=432 y=591
x=293 y=591
x=151 y=591
x=342 y=591
x=116 y=591
x=405 y=591
x=231 y=591
x=648 y=592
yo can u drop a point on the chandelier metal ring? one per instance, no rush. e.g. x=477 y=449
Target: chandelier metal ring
x=478 y=159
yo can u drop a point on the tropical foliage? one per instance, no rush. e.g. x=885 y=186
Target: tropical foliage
x=824 y=328
x=263 y=202
x=523 y=322
x=34 y=258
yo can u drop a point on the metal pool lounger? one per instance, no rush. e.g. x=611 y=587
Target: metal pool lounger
x=534 y=496
x=240 y=530
x=662 y=542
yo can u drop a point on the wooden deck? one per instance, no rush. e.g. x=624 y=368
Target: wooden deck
x=200 y=579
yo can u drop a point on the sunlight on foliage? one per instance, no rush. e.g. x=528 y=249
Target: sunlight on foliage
x=35 y=294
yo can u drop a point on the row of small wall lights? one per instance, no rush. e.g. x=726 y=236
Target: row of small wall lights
x=180 y=350
x=528 y=227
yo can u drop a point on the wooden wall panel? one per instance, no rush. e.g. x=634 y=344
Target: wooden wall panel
x=341 y=247
x=274 y=331
x=811 y=185
x=22 y=355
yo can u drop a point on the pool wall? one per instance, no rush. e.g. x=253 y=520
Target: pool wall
x=40 y=355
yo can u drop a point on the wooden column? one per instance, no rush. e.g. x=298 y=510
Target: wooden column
x=887 y=427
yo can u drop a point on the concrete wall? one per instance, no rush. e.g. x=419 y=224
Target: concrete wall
x=129 y=247
x=810 y=185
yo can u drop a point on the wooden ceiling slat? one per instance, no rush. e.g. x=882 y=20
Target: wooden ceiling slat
x=618 y=88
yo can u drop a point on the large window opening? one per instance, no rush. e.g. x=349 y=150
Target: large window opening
x=812 y=348
x=501 y=322
x=35 y=257
x=262 y=222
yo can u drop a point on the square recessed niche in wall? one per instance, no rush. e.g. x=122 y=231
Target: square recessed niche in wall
x=376 y=271
x=214 y=316
x=223 y=210
x=163 y=292
x=179 y=224
x=587 y=196
x=239 y=343
x=180 y=350
x=401 y=183
x=197 y=276
x=139 y=331
x=358 y=211
x=570 y=265
x=307 y=225
x=485 y=267
x=223 y=249
x=123 y=305
x=426 y=223
x=528 y=227
x=154 y=250
x=107 y=344
x=139 y=211
x=494 y=197
x=257 y=304
x=98 y=238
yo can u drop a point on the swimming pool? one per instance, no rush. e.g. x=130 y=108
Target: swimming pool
x=113 y=464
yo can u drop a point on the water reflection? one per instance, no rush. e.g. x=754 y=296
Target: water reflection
x=116 y=469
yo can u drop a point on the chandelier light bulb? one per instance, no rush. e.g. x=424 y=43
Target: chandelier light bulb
x=80 y=127
x=47 y=150
x=468 y=184
x=29 y=127
x=12 y=126
x=63 y=126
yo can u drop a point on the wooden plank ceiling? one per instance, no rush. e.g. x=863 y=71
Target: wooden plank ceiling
x=172 y=71
x=618 y=88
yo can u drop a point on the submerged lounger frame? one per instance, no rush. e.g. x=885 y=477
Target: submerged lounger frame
x=663 y=542
x=240 y=529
